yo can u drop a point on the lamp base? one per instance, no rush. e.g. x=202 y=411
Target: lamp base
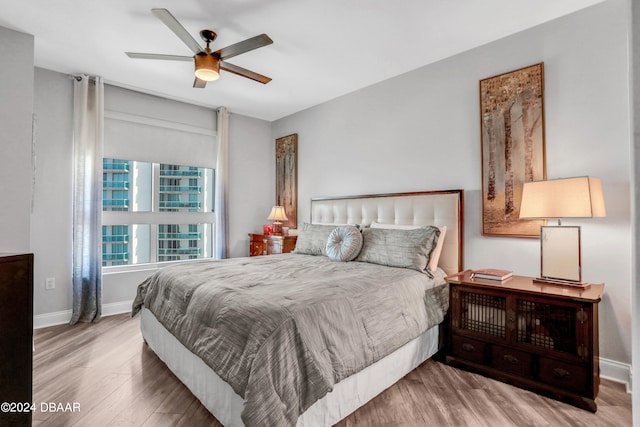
x=277 y=228
x=560 y=282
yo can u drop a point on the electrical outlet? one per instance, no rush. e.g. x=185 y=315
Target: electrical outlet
x=50 y=283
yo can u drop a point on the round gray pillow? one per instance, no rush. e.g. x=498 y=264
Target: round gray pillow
x=344 y=243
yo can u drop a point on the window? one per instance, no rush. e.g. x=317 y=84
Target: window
x=159 y=161
x=155 y=212
x=115 y=245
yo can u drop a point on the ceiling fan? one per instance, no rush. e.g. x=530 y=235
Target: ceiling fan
x=207 y=63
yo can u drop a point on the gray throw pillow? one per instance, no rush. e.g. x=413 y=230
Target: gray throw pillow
x=344 y=243
x=312 y=239
x=399 y=248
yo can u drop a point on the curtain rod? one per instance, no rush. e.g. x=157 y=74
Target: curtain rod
x=79 y=77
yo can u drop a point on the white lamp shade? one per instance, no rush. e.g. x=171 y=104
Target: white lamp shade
x=277 y=214
x=579 y=197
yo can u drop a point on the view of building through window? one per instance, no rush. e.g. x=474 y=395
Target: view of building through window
x=163 y=190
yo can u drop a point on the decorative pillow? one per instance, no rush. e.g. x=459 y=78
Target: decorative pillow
x=344 y=243
x=400 y=248
x=312 y=239
x=435 y=255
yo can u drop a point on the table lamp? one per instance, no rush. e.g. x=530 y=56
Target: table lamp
x=580 y=197
x=277 y=214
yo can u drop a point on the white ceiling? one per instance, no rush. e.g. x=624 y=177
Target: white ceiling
x=322 y=49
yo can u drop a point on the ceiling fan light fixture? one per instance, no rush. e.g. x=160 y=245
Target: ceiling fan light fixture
x=207 y=62
x=207 y=67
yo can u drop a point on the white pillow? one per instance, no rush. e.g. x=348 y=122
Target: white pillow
x=435 y=255
x=394 y=226
x=344 y=243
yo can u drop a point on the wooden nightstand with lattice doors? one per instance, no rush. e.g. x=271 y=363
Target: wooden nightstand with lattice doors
x=540 y=337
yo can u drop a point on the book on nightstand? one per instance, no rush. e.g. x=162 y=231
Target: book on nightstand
x=491 y=274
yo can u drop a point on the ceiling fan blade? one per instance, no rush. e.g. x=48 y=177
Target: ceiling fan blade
x=199 y=83
x=170 y=21
x=244 y=46
x=136 y=55
x=244 y=72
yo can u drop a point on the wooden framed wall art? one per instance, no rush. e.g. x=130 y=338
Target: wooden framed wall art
x=512 y=147
x=287 y=177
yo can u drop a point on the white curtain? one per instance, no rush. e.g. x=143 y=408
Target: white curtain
x=88 y=121
x=222 y=186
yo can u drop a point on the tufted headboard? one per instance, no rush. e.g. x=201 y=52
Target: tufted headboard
x=437 y=208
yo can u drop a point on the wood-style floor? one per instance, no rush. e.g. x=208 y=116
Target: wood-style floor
x=118 y=381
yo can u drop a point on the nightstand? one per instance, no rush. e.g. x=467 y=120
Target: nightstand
x=540 y=337
x=260 y=244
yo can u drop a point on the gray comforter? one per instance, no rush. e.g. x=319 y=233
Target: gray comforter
x=283 y=329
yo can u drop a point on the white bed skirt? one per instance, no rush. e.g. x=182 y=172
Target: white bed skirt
x=347 y=396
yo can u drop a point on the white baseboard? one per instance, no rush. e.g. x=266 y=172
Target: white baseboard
x=616 y=371
x=51 y=319
x=62 y=317
x=116 y=308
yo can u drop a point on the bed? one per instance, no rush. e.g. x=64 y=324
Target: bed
x=310 y=346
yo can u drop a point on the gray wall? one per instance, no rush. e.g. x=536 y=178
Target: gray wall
x=51 y=219
x=421 y=131
x=16 y=106
x=251 y=181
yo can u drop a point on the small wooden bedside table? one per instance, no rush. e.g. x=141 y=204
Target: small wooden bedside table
x=260 y=244
x=540 y=337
